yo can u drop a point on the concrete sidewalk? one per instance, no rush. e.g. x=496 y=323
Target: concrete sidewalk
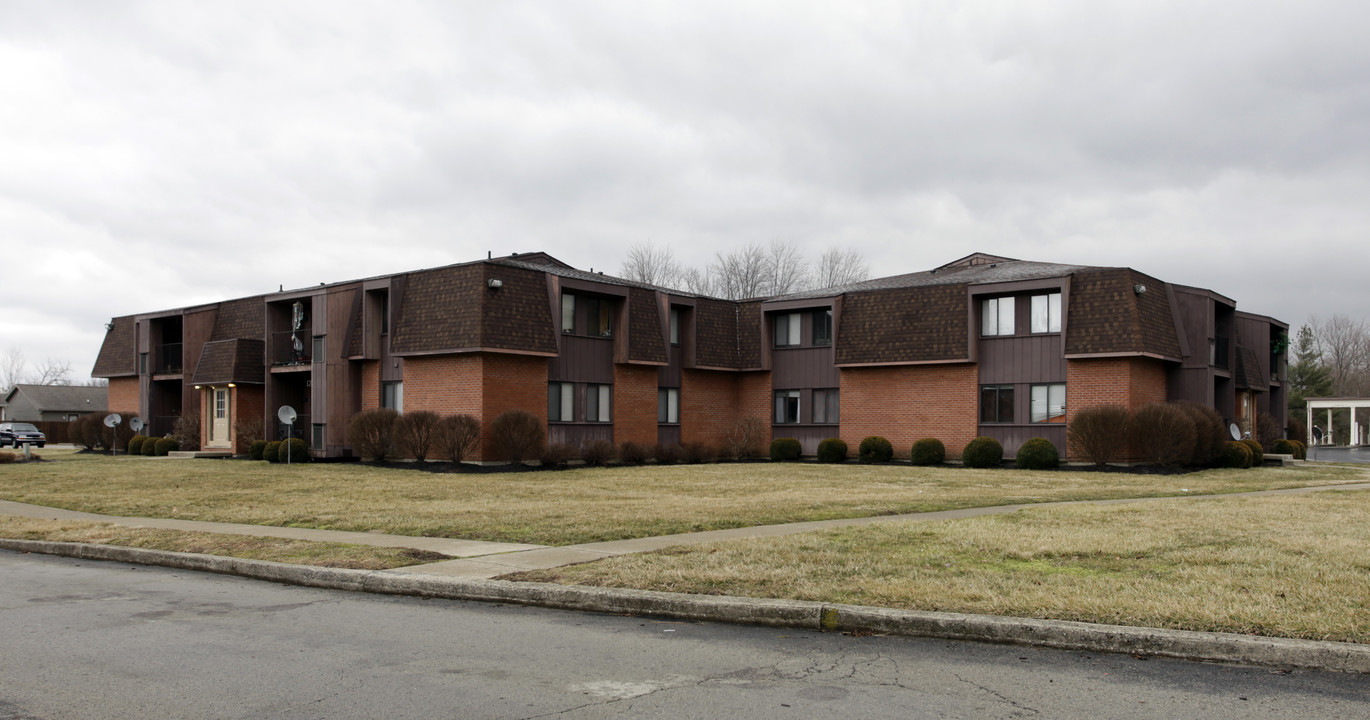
x=477 y=559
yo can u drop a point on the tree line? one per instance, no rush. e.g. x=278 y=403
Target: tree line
x=1330 y=357
x=748 y=271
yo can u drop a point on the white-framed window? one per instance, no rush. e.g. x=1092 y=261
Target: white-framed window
x=597 y=403
x=392 y=396
x=1046 y=313
x=825 y=406
x=1048 y=403
x=668 y=406
x=786 y=407
x=675 y=326
x=787 y=329
x=996 y=316
x=560 y=402
x=822 y=327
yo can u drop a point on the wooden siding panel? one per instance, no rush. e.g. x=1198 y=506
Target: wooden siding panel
x=583 y=359
x=1030 y=358
x=803 y=368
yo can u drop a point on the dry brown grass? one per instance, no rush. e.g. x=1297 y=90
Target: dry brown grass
x=1290 y=566
x=298 y=552
x=575 y=506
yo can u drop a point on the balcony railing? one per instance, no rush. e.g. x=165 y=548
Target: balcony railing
x=1219 y=352
x=291 y=348
x=166 y=359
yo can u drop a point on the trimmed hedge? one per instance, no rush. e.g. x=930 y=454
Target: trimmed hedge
x=298 y=451
x=1038 y=454
x=983 y=452
x=166 y=445
x=1257 y=451
x=928 y=451
x=832 y=450
x=597 y=452
x=875 y=449
x=785 y=450
x=256 y=449
x=1284 y=447
x=149 y=447
x=270 y=452
x=1236 y=454
x=135 y=444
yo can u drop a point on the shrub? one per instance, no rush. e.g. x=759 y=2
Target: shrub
x=1284 y=447
x=372 y=433
x=255 y=450
x=745 y=438
x=167 y=445
x=270 y=452
x=414 y=433
x=668 y=453
x=1210 y=435
x=1257 y=452
x=634 y=453
x=696 y=453
x=187 y=430
x=249 y=430
x=1098 y=433
x=135 y=444
x=598 y=452
x=832 y=450
x=78 y=431
x=928 y=451
x=1302 y=450
x=456 y=436
x=1267 y=430
x=983 y=452
x=1236 y=455
x=785 y=450
x=559 y=455
x=517 y=436
x=149 y=447
x=1163 y=434
x=1038 y=454
x=8 y=457
x=874 y=449
x=294 y=450
x=1295 y=431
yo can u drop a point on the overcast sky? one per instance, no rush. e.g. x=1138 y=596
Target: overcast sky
x=157 y=155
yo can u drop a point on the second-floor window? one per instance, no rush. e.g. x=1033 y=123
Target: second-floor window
x=787 y=329
x=996 y=316
x=586 y=315
x=675 y=326
x=822 y=327
x=1046 y=313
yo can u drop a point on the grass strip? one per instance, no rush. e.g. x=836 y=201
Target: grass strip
x=1290 y=566
x=296 y=552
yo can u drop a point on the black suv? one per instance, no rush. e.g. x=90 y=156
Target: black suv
x=16 y=433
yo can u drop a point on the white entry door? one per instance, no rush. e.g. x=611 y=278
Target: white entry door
x=218 y=418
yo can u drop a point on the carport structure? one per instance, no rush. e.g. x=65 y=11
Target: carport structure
x=1357 y=436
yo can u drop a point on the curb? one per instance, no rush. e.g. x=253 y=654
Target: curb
x=1060 y=634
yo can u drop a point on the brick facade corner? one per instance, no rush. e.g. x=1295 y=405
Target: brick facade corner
x=124 y=394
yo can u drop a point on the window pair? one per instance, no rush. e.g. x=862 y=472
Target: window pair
x=789 y=328
x=561 y=402
x=997 y=316
x=598 y=315
x=825 y=410
x=1047 y=403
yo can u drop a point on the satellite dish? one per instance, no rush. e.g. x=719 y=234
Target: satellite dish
x=286 y=414
x=1236 y=431
x=136 y=424
x=112 y=419
x=1317 y=433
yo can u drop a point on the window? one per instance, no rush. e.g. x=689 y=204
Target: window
x=597 y=403
x=385 y=313
x=822 y=327
x=825 y=406
x=996 y=403
x=996 y=316
x=668 y=405
x=317 y=439
x=560 y=402
x=568 y=313
x=1046 y=313
x=675 y=326
x=142 y=363
x=787 y=329
x=392 y=396
x=786 y=406
x=597 y=317
x=318 y=348
x=1048 y=403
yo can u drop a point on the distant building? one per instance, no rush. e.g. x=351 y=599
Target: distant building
x=984 y=345
x=44 y=403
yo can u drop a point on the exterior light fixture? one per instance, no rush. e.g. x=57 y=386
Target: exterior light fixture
x=494 y=284
x=233 y=384
x=1139 y=288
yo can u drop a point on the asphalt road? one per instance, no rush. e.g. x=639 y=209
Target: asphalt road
x=83 y=639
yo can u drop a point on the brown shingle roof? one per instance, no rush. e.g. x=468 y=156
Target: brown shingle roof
x=241 y=318
x=118 y=356
x=909 y=324
x=1107 y=316
x=240 y=360
x=438 y=310
x=646 y=341
x=517 y=316
x=1248 y=374
x=716 y=333
x=353 y=347
x=749 y=335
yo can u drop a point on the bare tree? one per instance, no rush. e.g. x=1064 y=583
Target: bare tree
x=784 y=269
x=652 y=264
x=12 y=365
x=1344 y=346
x=699 y=282
x=741 y=273
x=52 y=372
x=840 y=267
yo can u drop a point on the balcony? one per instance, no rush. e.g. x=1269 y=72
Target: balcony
x=1219 y=352
x=291 y=348
x=166 y=359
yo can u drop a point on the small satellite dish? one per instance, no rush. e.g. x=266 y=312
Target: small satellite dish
x=286 y=414
x=1236 y=431
x=1317 y=433
x=112 y=419
x=136 y=424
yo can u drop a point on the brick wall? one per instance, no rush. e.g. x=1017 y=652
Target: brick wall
x=755 y=399
x=371 y=384
x=511 y=382
x=708 y=406
x=1130 y=382
x=634 y=412
x=910 y=402
x=248 y=403
x=444 y=384
x=123 y=394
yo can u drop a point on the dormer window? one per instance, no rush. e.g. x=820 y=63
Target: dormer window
x=787 y=329
x=996 y=316
x=594 y=317
x=1046 y=313
x=822 y=327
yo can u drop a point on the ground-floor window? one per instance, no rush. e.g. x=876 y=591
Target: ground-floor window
x=996 y=403
x=392 y=396
x=317 y=439
x=561 y=402
x=597 y=403
x=825 y=406
x=786 y=406
x=668 y=406
x=1048 y=403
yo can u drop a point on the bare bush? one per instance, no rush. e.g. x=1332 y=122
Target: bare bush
x=668 y=453
x=695 y=453
x=186 y=431
x=559 y=455
x=1210 y=436
x=372 y=433
x=598 y=452
x=1162 y=433
x=414 y=433
x=1267 y=430
x=249 y=430
x=1098 y=433
x=517 y=436
x=634 y=453
x=456 y=437
x=123 y=432
x=747 y=437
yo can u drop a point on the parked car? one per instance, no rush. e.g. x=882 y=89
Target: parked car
x=17 y=433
